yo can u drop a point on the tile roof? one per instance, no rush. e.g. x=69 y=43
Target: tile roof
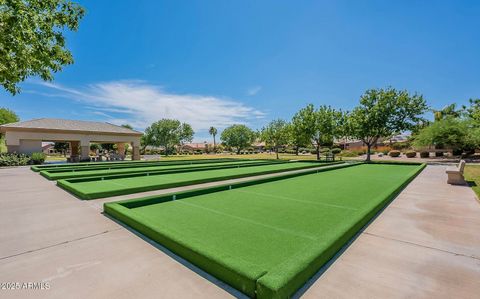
x=70 y=125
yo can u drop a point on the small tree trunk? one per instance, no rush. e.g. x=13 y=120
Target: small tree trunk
x=368 y=152
x=214 y=144
x=238 y=151
x=318 y=151
x=297 y=148
x=276 y=151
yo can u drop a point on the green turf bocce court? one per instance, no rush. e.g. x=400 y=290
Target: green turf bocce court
x=267 y=237
x=153 y=167
x=98 y=186
x=124 y=164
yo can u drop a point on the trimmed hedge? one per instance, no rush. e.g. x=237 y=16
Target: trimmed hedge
x=424 y=154
x=411 y=154
x=394 y=154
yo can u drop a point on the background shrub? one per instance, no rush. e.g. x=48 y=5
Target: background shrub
x=457 y=152
x=360 y=152
x=336 y=150
x=424 y=154
x=38 y=158
x=411 y=154
x=394 y=153
x=12 y=159
x=324 y=150
x=347 y=153
x=438 y=154
x=400 y=145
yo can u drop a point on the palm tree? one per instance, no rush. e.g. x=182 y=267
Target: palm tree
x=213 y=132
x=449 y=110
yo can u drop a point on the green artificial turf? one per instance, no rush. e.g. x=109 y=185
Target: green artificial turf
x=105 y=165
x=97 y=187
x=267 y=238
x=86 y=172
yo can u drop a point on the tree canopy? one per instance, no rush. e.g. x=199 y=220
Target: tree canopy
x=384 y=113
x=318 y=126
x=458 y=130
x=297 y=130
x=61 y=147
x=473 y=112
x=128 y=126
x=449 y=110
x=186 y=133
x=449 y=133
x=238 y=136
x=167 y=133
x=275 y=134
x=8 y=116
x=32 y=41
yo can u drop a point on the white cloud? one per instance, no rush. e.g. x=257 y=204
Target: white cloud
x=140 y=104
x=253 y=90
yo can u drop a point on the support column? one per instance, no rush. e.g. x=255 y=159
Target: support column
x=85 y=150
x=74 y=155
x=85 y=153
x=121 y=150
x=136 y=152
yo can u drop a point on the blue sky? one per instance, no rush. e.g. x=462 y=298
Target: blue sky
x=223 y=62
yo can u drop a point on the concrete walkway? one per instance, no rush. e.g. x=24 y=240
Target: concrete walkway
x=425 y=244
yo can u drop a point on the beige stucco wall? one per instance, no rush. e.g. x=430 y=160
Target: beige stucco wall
x=14 y=137
x=30 y=146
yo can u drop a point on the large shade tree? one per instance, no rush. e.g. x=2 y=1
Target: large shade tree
x=473 y=111
x=185 y=135
x=167 y=133
x=8 y=116
x=458 y=131
x=319 y=126
x=384 y=113
x=32 y=41
x=450 y=133
x=275 y=134
x=238 y=137
x=61 y=147
x=297 y=136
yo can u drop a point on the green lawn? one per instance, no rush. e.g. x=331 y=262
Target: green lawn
x=267 y=239
x=97 y=187
x=103 y=170
x=472 y=175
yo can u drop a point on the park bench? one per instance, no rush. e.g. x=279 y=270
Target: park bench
x=455 y=174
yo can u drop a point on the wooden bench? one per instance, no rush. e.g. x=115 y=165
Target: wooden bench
x=455 y=174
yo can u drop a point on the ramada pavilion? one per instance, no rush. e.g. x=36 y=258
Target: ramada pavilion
x=26 y=137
